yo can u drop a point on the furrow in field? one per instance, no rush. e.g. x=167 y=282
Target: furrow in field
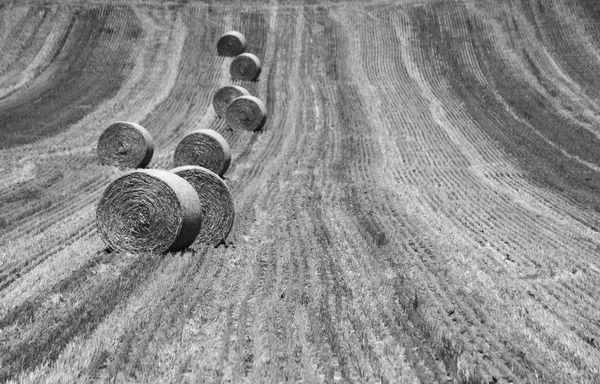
x=37 y=50
x=74 y=315
x=538 y=127
x=371 y=199
x=389 y=219
x=137 y=94
x=114 y=20
x=573 y=48
x=438 y=175
x=143 y=345
x=188 y=106
x=139 y=91
x=334 y=353
x=259 y=31
x=10 y=15
x=19 y=39
x=512 y=218
x=348 y=164
x=87 y=70
x=132 y=340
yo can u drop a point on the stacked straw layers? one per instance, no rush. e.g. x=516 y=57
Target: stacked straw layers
x=217 y=204
x=125 y=145
x=246 y=112
x=225 y=95
x=245 y=67
x=149 y=211
x=231 y=44
x=205 y=148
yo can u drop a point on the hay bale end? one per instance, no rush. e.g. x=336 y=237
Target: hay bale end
x=125 y=145
x=149 y=210
x=246 y=112
x=216 y=201
x=205 y=148
x=231 y=44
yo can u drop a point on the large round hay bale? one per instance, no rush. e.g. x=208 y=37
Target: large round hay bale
x=205 y=148
x=149 y=210
x=226 y=95
x=246 y=112
x=217 y=204
x=231 y=44
x=245 y=67
x=125 y=145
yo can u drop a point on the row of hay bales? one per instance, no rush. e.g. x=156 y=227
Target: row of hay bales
x=154 y=210
x=240 y=109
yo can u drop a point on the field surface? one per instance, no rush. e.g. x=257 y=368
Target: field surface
x=422 y=206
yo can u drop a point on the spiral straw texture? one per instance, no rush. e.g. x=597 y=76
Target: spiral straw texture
x=217 y=204
x=205 y=148
x=149 y=210
x=245 y=67
x=246 y=112
x=125 y=145
x=226 y=95
x=231 y=44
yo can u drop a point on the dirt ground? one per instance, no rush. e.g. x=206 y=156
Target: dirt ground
x=422 y=205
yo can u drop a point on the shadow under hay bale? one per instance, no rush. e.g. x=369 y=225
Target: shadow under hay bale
x=246 y=112
x=125 y=145
x=149 y=210
x=225 y=95
x=245 y=66
x=218 y=210
x=231 y=44
x=205 y=148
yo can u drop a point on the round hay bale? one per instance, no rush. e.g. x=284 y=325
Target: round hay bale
x=231 y=44
x=205 y=148
x=149 y=210
x=217 y=205
x=125 y=145
x=226 y=95
x=245 y=67
x=246 y=112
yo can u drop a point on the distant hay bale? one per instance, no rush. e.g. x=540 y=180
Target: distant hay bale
x=226 y=95
x=231 y=44
x=205 y=148
x=216 y=201
x=149 y=210
x=245 y=66
x=125 y=145
x=246 y=112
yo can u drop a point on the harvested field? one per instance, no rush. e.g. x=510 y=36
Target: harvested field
x=421 y=206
